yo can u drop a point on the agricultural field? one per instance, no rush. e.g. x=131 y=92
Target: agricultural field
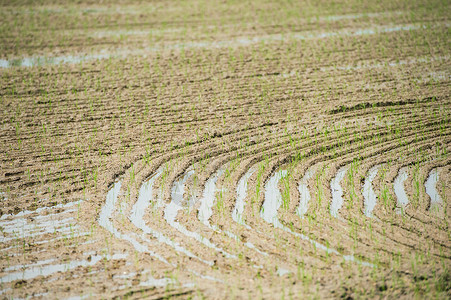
x=225 y=149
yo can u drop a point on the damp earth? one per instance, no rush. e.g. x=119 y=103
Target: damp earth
x=216 y=150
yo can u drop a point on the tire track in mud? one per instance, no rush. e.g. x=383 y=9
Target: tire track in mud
x=420 y=213
x=140 y=243
x=205 y=210
x=172 y=209
x=417 y=228
x=107 y=213
x=349 y=137
x=408 y=230
x=137 y=214
x=273 y=200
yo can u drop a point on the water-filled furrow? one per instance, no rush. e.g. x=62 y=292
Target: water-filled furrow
x=27 y=224
x=431 y=188
x=241 y=191
x=24 y=225
x=237 y=213
x=337 y=191
x=271 y=204
x=104 y=220
x=171 y=210
x=70 y=235
x=137 y=217
x=273 y=199
x=281 y=272
x=65 y=235
x=208 y=199
x=408 y=229
x=370 y=197
x=208 y=277
x=41 y=209
x=205 y=210
x=26 y=266
x=304 y=194
x=39 y=270
x=162 y=282
x=398 y=185
x=61 y=228
x=414 y=60
x=242 y=41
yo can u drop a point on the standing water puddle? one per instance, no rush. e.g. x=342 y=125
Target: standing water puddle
x=172 y=209
x=399 y=188
x=137 y=214
x=337 y=191
x=368 y=192
x=273 y=200
x=431 y=188
x=304 y=194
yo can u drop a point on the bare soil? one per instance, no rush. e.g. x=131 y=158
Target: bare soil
x=96 y=96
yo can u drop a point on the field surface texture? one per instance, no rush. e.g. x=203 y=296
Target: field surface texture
x=225 y=149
